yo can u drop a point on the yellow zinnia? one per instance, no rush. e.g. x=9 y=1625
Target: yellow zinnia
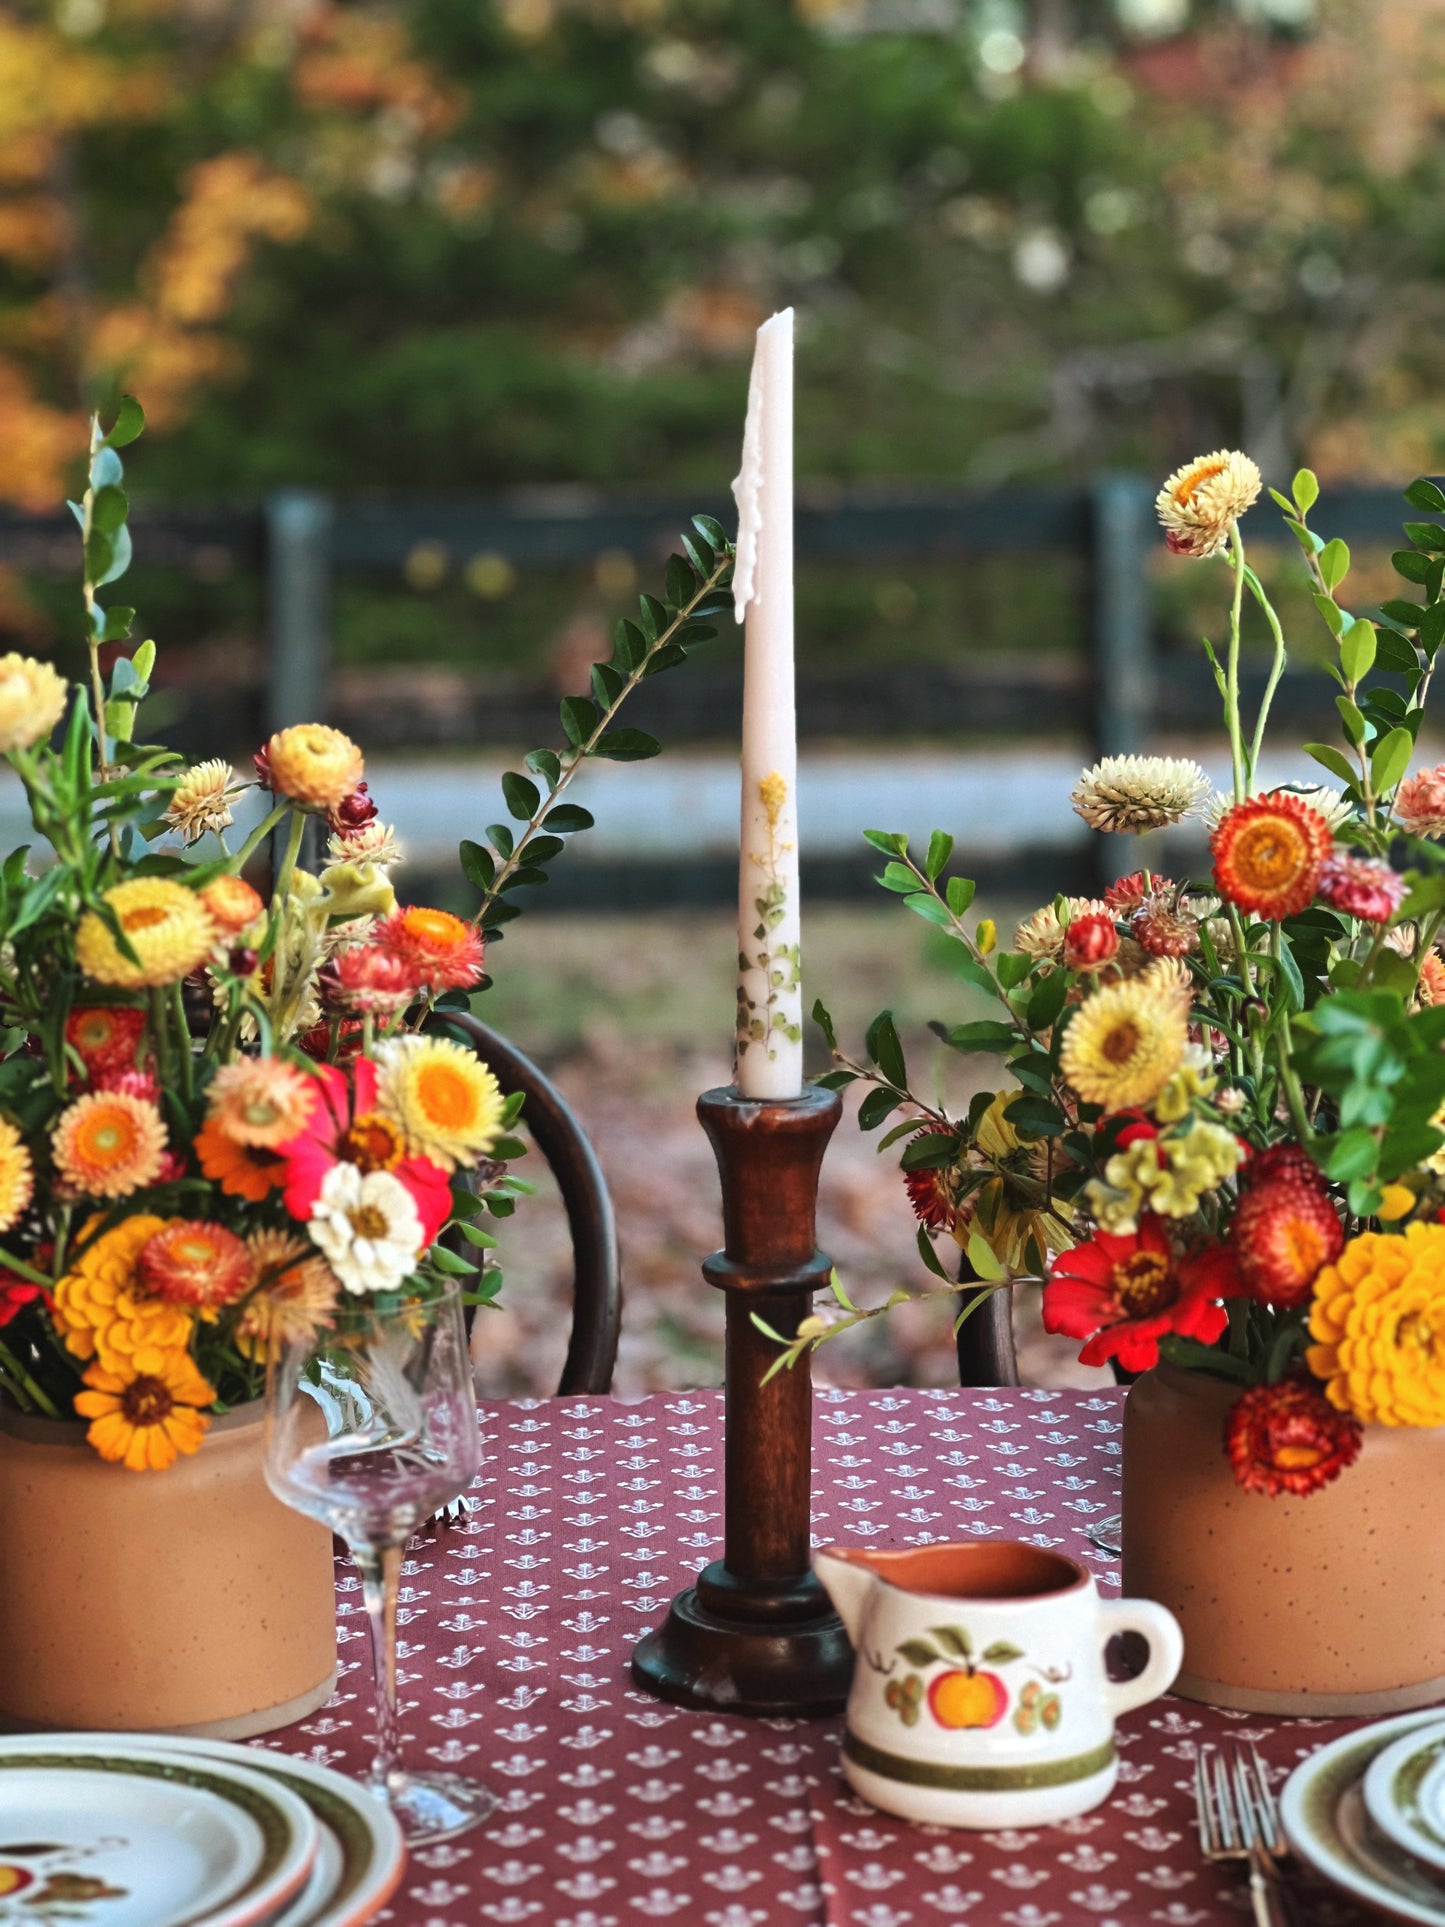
x=1378 y=1322
x=101 y=1309
x=1124 y=1043
x=143 y=1413
x=167 y=926
x=32 y=701
x=449 y=1105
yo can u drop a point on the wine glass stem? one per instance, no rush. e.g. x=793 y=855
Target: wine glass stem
x=379 y=1599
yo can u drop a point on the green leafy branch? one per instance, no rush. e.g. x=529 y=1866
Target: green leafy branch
x=664 y=634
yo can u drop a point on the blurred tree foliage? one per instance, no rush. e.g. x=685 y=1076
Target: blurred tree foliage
x=424 y=246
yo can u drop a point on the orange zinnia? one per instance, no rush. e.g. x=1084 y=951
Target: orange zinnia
x=145 y=1416
x=241 y=1170
x=1268 y=853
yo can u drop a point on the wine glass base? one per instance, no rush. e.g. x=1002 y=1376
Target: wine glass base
x=435 y=1806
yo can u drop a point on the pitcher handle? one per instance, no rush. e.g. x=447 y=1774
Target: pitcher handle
x=1166 y=1649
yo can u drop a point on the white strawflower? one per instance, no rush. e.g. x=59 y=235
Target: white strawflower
x=1332 y=804
x=373 y=843
x=203 y=800
x=1042 y=934
x=1201 y=502
x=367 y=1227
x=1139 y=793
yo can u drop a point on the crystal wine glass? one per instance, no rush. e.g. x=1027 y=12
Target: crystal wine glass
x=370 y=1427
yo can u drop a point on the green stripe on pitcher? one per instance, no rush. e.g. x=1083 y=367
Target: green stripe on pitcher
x=977 y=1779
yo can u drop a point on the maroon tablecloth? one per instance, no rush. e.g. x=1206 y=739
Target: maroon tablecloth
x=514 y=1634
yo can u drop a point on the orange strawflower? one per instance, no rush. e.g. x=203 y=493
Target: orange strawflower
x=1431 y=987
x=190 y=1263
x=260 y=1100
x=1288 y=1438
x=1268 y=853
x=106 y=1036
x=241 y=1170
x=445 y=952
x=144 y=1415
x=294 y=1298
x=232 y=903
x=314 y=765
x=108 y=1144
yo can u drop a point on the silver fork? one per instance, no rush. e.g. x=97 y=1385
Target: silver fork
x=1238 y=1821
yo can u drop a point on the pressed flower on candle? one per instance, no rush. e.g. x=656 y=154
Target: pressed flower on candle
x=778 y=963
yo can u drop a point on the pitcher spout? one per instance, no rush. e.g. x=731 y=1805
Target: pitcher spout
x=846 y=1575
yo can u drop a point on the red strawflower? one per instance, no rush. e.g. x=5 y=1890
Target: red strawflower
x=1284 y=1232
x=1123 y=1294
x=1129 y=892
x=261 y=763
x=933 y=1196
x=316 y=1042
x=187 y=1262
x=1371 y=891
x=1268 y=853
x=1128 y=1127
x=371 y=980
x=445 y=953
x=1090 y=941
x=132 y=1082
x=1161 y=931
x=1289 y=1438
x=1280 y=1161
x=352 y=812
x=106 y=1036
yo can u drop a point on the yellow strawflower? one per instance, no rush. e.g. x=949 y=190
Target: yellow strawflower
x=314 y=765
x=168 y=927
x=32 y=701
x=447 y=1103
x=1201 y=502
x=1378 y=1322
x=1124 y=1043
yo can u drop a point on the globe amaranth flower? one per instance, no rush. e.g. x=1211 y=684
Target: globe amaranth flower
x=166 y=925
x=146 y=1413
x=1268 y=853
x=445 y=953
x=1042 y=934
x=1124 y=1043
x=1378 y=1325
x=202 y=800
x=261 y=1100
x=106 y=1037
x=1090 y=941
x=365 y=1225
x=17 y=1176
x=1287 y=1438
x=313 y=765
x=1139 y=793
x=32 y=701
x=448 y=1104
x=1360 y=887
x=1201 y=502
x=1122 y=1294
x=108 y=1144
x=1285 y=1230
x=1420 y=802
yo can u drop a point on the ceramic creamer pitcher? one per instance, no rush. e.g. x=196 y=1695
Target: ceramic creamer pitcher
x=981 y=1696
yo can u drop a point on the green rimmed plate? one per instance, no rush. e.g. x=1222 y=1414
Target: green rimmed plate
x=1323 y=1810
x=1403 y=1790
x=116 y=1830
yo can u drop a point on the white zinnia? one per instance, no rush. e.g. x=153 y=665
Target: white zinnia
x=1139 y=793
x=367 y=1227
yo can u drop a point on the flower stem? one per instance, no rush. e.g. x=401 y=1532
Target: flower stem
x=1231 y=688
x=1276 y=669
x=25 y=1385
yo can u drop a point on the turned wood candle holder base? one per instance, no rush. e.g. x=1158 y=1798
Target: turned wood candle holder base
x=756 y=1633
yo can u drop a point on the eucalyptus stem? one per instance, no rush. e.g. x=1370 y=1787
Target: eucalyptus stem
x=1231 y=687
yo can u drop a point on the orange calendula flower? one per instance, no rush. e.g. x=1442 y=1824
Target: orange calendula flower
x=144 y=1415
x=106 y=1036
x=166 y=925
x=1201 y=502
x=17 y=1175
x=101 y=1308
x=241 y=1170
x=447 y=1103
x=260 y=1100
x=445 y=952
x=1378 y=1322
x=188 y=1262
x=232 y=903
x=314 y=765
x=1287 y=1438
x=109 y=1143
x=1268 y=853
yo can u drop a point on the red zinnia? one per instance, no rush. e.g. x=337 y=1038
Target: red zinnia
x=15 y=1295
x=1289 y=1438
x=106 y=1036
x=1284 y=1232
x=1371 y=891
x=1123 y=1294
x=1268 y=853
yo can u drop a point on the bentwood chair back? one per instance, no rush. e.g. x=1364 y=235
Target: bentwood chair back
x=549 y=1121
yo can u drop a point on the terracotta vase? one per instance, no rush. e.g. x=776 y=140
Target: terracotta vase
x=1329 y=1606
x=183 y=1601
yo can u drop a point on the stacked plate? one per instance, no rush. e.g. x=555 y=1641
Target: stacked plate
x=125 y=1830
x=1368 y=1812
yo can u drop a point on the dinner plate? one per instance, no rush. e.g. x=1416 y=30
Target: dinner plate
x=110 y=1830
x=1323 y=1810
x=1403 y=1790
x=362 y=1854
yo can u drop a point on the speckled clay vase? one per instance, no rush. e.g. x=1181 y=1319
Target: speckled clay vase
x=1329 y=1606
x=183 y=1601
x=980 y=1697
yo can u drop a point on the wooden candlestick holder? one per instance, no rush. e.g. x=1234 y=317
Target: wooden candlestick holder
x=756 y=1633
